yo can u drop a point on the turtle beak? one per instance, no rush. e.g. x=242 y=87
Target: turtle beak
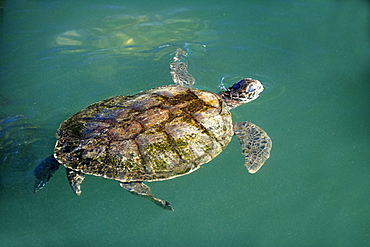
x=254 y=86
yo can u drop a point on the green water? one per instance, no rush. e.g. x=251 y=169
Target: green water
x=312 y=56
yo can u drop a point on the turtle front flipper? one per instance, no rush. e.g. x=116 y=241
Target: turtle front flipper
x=141 y=189
x=179 y=72
x=256 y=144
x=44 y=171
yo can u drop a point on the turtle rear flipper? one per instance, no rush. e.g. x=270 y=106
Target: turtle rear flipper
x=44 y=172
x=75 y=179
x=141 y=189
x=256 y=144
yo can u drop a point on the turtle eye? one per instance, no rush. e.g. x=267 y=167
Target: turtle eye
x=252 y=88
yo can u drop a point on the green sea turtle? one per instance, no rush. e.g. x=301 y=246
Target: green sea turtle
x=158 y=134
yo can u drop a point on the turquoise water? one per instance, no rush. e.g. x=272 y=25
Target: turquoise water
x=57 y=57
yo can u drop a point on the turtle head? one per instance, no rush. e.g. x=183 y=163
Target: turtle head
x=242 y=92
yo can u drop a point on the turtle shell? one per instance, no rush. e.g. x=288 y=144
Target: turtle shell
x=158 y=134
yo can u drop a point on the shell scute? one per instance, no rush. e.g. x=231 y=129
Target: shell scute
x=125 y=155
x=185 y=107
x=144 y=102
x=167 y=91
x=158 y=153
x=217 y=124
x=194 y=141
x=209 y=98
x=152 y=117
x=124 y=130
